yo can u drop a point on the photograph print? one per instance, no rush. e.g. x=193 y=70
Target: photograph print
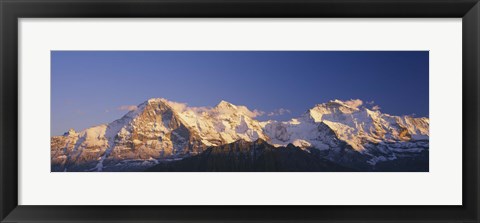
x=239 y=111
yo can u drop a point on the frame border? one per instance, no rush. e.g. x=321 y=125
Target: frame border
x=12 y=10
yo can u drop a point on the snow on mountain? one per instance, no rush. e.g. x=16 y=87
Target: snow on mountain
x=160 y=129
x=353 y=124
x=157 y=129
x=224 y=123
x=152 y=131
x=380 y=137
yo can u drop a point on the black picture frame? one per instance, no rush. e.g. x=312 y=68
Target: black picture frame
x=12 y=10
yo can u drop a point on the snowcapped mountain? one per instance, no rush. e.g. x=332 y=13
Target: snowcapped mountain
x=224 y=123
x=354 y=125
x=339 y=127
x=159 y=130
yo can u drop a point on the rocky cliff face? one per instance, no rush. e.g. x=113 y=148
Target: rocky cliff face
x=256 y=156
x=161 y=131
x=153 y=131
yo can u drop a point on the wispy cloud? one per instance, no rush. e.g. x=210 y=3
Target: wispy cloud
x=244 y=110
x=177 y=106
x=256 y=113
x=183 y=107
x=127 y=108
x=376 y=108
x=354 y=103
x=280 y=111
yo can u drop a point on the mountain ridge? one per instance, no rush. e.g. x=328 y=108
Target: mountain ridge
x=160 y=129
x=255 y=156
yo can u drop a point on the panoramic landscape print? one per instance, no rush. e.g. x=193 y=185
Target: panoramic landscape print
x=239 y=111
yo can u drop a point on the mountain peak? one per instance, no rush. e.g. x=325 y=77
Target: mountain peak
x=334 y=107
x=167 y=104
x=225 y=104
x=352 y=103
x=70 y=132
x=157 y=100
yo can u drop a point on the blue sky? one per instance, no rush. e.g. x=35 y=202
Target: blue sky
x=94 y=87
